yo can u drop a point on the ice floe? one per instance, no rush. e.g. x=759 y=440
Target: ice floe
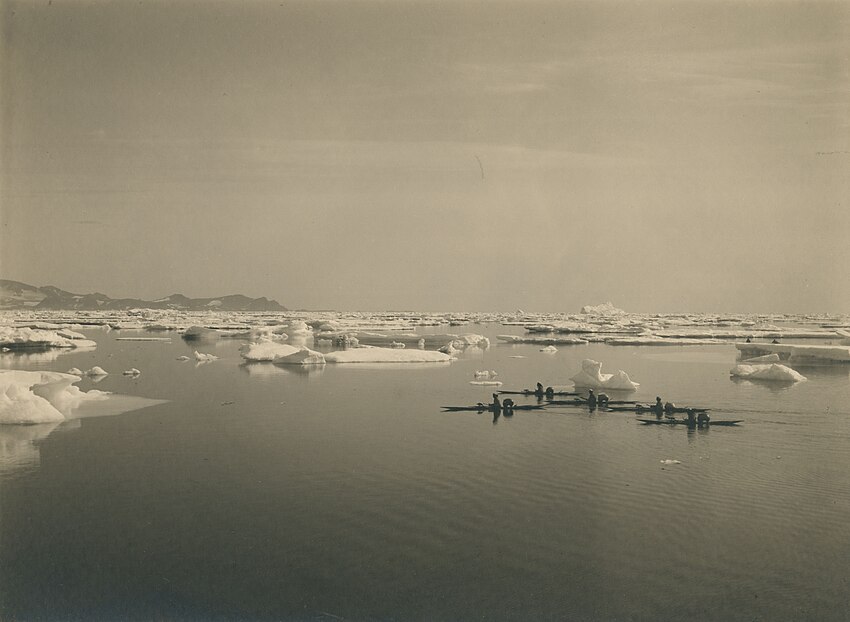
x=266 y=350
x=767 y=371
x=204 y=358
x=549 y=349
x=301 y=356
x=484 y=374
x=96 y=371
x=32 y=397
x=486 y=383
x=797 y=353
x=132 y=372
x=551 y=341
x=26 y=338
x=591 y=376
x=386 y=355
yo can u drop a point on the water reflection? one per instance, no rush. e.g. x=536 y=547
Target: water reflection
x=16 y=358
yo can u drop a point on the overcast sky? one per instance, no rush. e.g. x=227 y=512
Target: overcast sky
x=689 y=156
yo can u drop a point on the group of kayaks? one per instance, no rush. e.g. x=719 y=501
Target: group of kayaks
x=664 y=417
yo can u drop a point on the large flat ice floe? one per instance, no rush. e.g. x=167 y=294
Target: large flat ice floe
x=386 y=355
x=409 y=339
x=797 y=353
x=29 y=338
x=766 y=371
x=31 y=397
x=545 y=341
x=591 y=377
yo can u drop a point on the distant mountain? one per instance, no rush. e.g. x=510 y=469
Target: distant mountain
x=15 y=295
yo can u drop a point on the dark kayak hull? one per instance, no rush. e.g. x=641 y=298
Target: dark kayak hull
x=686 y=423
x=483 y=407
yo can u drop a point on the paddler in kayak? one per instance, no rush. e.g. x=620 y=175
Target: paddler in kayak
x=658 y=407
x=496 y=405
x=703 y=418
x=508 y=406
x=692 y=418
x=591 y=398
x=550 y=392
x=539 y=390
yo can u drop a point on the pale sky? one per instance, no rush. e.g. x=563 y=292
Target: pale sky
x=665 y=156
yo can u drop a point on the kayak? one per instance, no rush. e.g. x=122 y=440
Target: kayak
x=533 y=392
x=685 y=422
x=483 y=407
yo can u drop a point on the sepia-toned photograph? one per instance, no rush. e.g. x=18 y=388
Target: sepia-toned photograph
x=424 y=310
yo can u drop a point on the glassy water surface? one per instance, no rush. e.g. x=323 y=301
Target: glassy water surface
x=258 y=492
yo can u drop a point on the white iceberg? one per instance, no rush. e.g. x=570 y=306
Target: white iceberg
x=204 y=358
x=301 y=356
x=96 y=371
x=31 y=397
x=484 y=374
x=591 y=376
x=549 y=349
x=386 y=355
x=486 y=383
x=75 y=371
x=26 y=338
x=266 y=350
x=767 y=371
x=604 y=309
x=132 y=372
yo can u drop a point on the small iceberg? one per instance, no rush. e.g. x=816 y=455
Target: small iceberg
x=31 y=397
x=266 y=350
x=549 y=349
x=486 y=383
x=204 y=358
x=132 y=372
x=96 y=372
x=591 y=376
x=301 y=356
x=768 y=371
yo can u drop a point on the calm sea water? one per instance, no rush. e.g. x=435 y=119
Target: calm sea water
x=263 y=493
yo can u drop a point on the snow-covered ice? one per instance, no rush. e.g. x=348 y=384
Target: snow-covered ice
x=486 y=383
x=561 y=341
x=266 y=350
x=549 y=349
x=386 y=355
x=22 y=338
x=204 y=358
x=31 y=397
x=591 y=376
x=795 y=352
x=96 y=371
x=132 y=372
x=301 y=356
x=767 y=371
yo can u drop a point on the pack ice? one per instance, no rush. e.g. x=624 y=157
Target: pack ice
x=29 y=338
